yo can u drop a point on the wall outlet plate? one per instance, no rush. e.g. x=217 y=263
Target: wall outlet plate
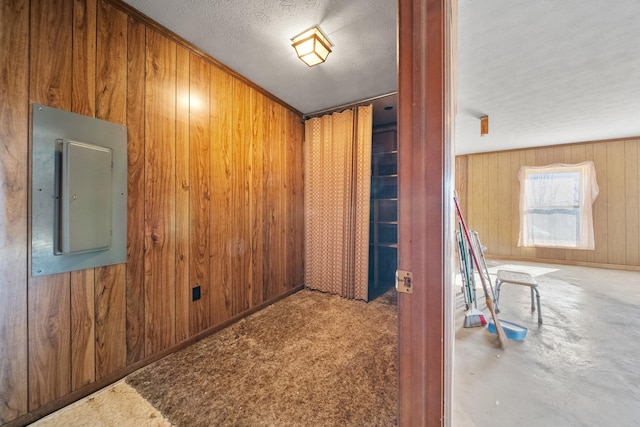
x=195 y=293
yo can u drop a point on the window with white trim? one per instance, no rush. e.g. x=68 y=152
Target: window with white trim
x=556 y=205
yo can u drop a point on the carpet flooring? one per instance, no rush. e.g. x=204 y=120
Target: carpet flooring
x=311 y=359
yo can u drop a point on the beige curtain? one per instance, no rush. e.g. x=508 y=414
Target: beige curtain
x=337 y=185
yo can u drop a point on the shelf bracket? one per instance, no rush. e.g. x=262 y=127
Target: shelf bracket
x=404 y=281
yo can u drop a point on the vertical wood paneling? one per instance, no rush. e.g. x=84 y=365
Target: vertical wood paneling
x=578 y=153
x=110 y=302
x=83 y=357
x=240 y=178
x=269 y=202
x=282 y=200
x=183 y=193
x=258 y=124
x=49 y=296
x=631 y=203
x=462 y=182
x=616 y=212
x=475 y=205
x=220 y=184
x=560 y=154
x=491 y=238
x=110 y=281
x=514 y=208
x=505 y=183
x=135 y=188
x=295 y=202
x=478 y=197
x=274 y=250
x=200 y=195
x=600 y=207
x=288 y=197
x=60 y=333
x=14 y=114
x=298 y=189
x=111 y=87
x=49 y=339
x=50 y=60
x=83 y=97
x=83 y=101
x=160 y=153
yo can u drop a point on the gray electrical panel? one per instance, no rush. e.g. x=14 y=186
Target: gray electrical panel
x=79 y=192
x=85 y=203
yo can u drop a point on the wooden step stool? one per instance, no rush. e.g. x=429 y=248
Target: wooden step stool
x=518 y=278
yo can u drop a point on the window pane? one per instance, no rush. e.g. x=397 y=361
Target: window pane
x=553 y=189
x=555 y=209
x=554 y=227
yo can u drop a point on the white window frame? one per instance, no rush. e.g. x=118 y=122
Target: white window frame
x=555 y=200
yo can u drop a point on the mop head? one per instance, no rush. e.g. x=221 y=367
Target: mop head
x=474 y=318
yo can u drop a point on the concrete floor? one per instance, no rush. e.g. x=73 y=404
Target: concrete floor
x=581 y=367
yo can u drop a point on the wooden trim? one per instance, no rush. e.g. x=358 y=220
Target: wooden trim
x=151 y=24
x=110 y=379
x=425 y=186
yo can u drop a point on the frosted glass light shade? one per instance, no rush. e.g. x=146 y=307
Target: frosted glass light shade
x=312 y=46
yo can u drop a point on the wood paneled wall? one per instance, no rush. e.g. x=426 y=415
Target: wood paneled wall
x=489 y=190
x=215 y=197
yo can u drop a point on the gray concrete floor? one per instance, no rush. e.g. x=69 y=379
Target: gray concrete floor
x=581 y=367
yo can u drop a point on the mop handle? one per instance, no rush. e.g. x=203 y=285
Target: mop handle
x=471 y=249
x=499 y=330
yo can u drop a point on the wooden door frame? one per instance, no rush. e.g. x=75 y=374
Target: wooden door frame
x=425 y=169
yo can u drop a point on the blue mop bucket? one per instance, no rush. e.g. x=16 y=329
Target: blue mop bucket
x=512 y=330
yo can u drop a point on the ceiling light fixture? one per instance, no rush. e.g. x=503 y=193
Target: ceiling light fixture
x=312 y=46
x=484 y=125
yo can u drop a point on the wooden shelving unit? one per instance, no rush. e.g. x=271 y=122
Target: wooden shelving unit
x=383 y=230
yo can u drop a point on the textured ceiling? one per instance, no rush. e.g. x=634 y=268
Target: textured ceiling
x=253 y=37
x=545 y=71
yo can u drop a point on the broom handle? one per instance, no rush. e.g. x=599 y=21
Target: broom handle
x=502 y=338
x=463 y=260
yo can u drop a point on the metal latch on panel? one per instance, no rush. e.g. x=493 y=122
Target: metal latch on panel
x=404 y=281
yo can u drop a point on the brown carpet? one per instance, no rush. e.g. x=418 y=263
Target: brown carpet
x=311 y=359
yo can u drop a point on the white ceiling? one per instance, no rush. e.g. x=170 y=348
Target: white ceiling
x=253 y=37
x=545 y=71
